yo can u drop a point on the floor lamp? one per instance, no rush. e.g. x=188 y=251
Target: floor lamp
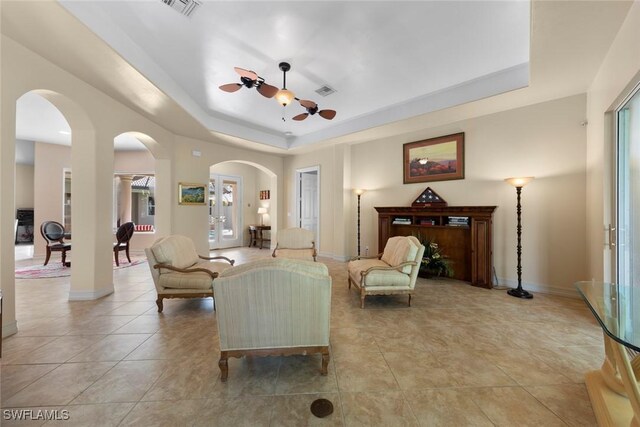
x=359 y=192
x=519 y=183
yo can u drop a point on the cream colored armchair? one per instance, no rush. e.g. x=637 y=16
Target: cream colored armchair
x=392 y=272
x=179 y=272
x=273 y=307
x=295 y=243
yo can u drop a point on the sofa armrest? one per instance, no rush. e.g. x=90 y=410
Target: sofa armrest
x=398 y=267
x=230 y=261
x=187 y=270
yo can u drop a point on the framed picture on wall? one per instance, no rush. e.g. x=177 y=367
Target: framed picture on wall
x=434 y=159
x=191 y=194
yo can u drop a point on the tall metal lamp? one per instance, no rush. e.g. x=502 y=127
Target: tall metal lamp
x=519 y=183
x=359 y=192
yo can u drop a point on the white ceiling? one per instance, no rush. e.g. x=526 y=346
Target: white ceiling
x=387 y=60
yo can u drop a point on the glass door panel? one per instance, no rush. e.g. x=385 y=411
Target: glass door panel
x=225 y=211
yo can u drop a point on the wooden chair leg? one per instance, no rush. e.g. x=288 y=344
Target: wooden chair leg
x=409 y=300
x=127 y=252
x=325 y=363
x=46 y=259
x=224 y=366
x=362 y=295
x=159 y=304
x=116 y=255
x=349 y=282
x=64 y=257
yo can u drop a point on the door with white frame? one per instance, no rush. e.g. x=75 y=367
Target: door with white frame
x=308 y=200
x=225 y=211
x=624 y=236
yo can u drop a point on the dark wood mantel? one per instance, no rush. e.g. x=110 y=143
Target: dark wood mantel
x=469 y=247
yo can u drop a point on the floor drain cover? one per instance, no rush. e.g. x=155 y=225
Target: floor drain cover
x=321 y=408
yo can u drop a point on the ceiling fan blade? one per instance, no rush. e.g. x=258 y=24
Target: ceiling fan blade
x=327 y=114
x=231 y=87
x=300 y=117
x=308 y=104
x=268 y=91
x=246 y=73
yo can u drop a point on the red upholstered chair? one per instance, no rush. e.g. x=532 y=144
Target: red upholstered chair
x=53 y=233
x=123 y=235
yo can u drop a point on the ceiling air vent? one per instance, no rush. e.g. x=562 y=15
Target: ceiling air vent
x=185 y=7
x=325 y=90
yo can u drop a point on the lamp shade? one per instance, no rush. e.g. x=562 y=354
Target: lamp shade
x=262 y=211
x=519 y=182
x=359 y=191
x=284 y=97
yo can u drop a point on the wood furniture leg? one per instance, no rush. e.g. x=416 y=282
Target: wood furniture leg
x=159 y=304
x=325 y=362
x=116 y=255
x=64 y=257
x=126 y=251
x=48 y=255
x=223 y=364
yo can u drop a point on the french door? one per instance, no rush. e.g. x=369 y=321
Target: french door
x=225 y=211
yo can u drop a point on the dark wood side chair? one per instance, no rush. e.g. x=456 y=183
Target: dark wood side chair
x=123 y=235
x=53 y=233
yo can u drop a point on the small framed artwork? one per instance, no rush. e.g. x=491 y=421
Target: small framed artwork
x=265 y=194
x=434 y=159
x=191 y=194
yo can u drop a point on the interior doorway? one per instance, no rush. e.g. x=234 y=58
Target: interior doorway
x=308 y=200
x=225 y=211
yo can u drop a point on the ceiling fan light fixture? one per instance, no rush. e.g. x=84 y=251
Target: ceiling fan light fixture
x=285 y=96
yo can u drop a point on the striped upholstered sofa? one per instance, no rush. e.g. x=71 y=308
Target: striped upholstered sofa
x=273 y=307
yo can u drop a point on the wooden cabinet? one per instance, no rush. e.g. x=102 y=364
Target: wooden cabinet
x=468 y=246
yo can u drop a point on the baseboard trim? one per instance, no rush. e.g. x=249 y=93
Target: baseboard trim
x=543 y=289
x=9 y=329
x=89 y=295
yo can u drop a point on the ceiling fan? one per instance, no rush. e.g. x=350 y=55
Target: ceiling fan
x=250 y=80
x=284 y=96
x=312 y=108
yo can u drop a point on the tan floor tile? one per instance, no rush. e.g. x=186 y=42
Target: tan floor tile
x=513 y=406
x=446 y=407
x=59 y=386
x=377 y=409
x=249 y=376
x=142 y=325
x=364 y=372
x=471 y=369
x=346 y=340
x=419 y=370
x=165 y=414
x=246 y=411
x=573 y=361
x=128 y=381
x=295 y=411
x=100 y=325
x=16 y=377
x=133 y=308
x=301 y=374
x=188 y=379
x=58 y=351
x=103 y=415
x=568 y=401
x=112 y=347
x=524 y=368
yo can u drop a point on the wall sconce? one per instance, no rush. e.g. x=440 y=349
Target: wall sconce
x=519 y=183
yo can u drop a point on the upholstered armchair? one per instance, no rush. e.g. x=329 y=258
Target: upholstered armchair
x=295 y=243
x=273 y=307
x=179 y=272
x=392 y=272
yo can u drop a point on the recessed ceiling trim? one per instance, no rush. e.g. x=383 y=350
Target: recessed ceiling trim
x=513 y=78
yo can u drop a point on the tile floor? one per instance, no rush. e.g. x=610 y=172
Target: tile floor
x=459 y=356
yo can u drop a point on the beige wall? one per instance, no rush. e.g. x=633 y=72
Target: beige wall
x=619 y=69
x=192 y=221
x=544 y=140
x=24 y=186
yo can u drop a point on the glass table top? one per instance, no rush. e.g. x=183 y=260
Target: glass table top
x=617 y=309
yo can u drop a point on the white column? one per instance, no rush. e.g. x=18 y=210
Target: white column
x=91 y=204
x=124 y=198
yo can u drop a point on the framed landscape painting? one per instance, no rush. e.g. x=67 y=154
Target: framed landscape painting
x=191 y=194
x=434 y=159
